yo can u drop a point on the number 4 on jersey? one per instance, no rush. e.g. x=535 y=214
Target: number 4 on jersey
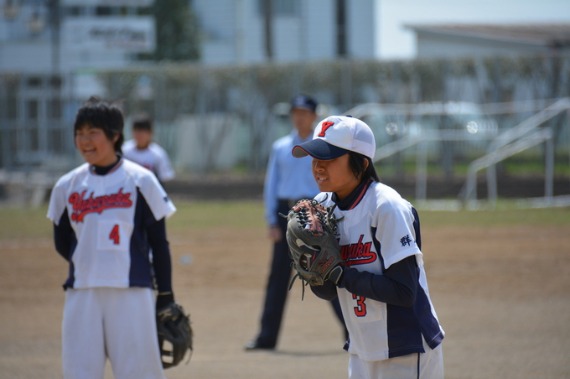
x=115 y=236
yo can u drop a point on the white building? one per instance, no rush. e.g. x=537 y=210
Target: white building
x=301 y=30
x=59 y=36
x=53 y=47
x=69 y=35
x=91 y=34
x=486 y=40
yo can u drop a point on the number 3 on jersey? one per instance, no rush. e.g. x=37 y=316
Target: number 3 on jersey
x=360 y=309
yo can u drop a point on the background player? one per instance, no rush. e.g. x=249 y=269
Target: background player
x=144 y=151
x=287 y=180
x=107 y=214
x=383 y=292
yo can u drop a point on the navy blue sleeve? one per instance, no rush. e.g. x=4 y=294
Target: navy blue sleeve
x=398 y=286
x=161 y=260
x=64 y=237
x=327 y=291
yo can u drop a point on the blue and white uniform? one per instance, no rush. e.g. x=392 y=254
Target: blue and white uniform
x=393 y=328
x=153 y=157
x=379 y=231
x=105 y=225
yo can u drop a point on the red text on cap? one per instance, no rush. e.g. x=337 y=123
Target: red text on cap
x=324 y=127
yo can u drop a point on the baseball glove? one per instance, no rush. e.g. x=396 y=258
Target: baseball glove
x=313 y=246
x=174 y=334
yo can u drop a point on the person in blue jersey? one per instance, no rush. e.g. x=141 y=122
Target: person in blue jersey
x=107 y=215
x=393 y=327
x=287 y=180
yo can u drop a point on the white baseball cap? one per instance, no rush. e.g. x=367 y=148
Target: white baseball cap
x=337 y=135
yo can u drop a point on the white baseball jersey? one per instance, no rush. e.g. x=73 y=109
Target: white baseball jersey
x=377 y=231
x=154 y=158
x=109 y=250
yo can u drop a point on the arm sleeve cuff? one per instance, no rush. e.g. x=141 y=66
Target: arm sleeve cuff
x=398 y=285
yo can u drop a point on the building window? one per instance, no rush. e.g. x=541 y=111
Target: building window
x=33 y=139
x=34 y=82
x=11 y=99
x=287 y=8
x=72 y=11
x=103 y=11
x=54 y=108
x=33 y=109
x=11 y=108
x=56 y=140
x=55 y=82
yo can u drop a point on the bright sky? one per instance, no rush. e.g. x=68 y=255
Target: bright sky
x=397 y=42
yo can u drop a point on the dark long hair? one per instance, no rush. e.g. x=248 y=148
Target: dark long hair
x=357 y=165
x=103 y=115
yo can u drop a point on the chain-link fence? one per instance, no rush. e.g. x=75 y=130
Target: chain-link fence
x=215 y=120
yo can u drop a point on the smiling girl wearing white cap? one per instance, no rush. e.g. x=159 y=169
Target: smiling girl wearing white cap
x=394 y=330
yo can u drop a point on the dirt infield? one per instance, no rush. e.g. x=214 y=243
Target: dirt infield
x=501 y=292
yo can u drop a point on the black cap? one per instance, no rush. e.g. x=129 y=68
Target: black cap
x=304 y=102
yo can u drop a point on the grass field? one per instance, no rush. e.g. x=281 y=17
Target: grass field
x=31 y=223
x=500 y=282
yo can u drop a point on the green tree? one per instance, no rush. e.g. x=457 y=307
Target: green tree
x=177 y=35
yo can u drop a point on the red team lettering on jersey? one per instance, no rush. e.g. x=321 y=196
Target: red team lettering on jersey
x=82 y=206
x=358 y=253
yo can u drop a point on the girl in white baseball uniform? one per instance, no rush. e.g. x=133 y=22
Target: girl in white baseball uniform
x=393 y=328
x=144 y=151
x=107 y=214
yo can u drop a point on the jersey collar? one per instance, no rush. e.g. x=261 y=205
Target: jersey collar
x=104 y=170
x=352 y=200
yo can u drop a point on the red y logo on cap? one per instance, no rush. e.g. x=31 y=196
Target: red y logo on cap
x=326 y=125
